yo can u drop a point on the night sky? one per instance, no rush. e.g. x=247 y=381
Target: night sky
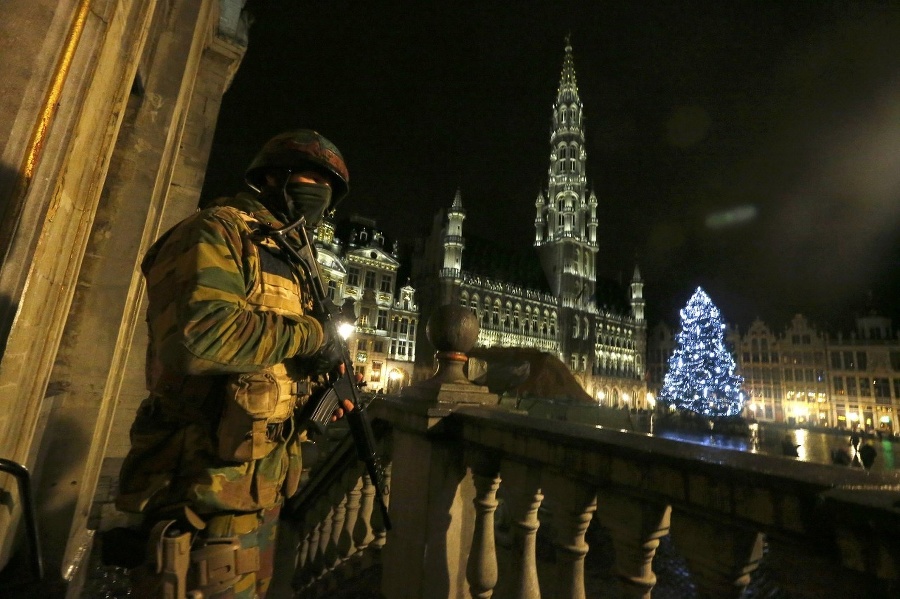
x=749 y=147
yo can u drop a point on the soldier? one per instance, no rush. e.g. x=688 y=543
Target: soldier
x=233 y=354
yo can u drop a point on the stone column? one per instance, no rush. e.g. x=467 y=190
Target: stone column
x=433 y=493
x=522 y=486
x=636 y=528
x=572 y=504
x=720 y=557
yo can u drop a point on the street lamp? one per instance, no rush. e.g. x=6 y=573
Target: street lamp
x=601 y=395
x=651 y=401
x=345 y=329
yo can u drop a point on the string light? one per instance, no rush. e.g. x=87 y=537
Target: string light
x=701 y=376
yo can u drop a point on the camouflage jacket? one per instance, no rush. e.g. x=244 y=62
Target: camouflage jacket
x=222 y=301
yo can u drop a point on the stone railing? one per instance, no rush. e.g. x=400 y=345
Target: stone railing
x=339 y=529
x=455 y=456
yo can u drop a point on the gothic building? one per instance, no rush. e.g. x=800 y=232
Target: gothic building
x=363 y=271
x=559 y=310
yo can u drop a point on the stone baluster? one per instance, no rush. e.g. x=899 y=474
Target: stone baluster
x=346 y=546
x=481 y=569
x=377 y=522
x=316 y=562
x=572 y=504
x=433 y=490
x=300 y=577
x=323 y=557
x=522 y=496
x=720 y=557
x=306 y=574
x=636 y=528
x=338 y=496
x=362 y=533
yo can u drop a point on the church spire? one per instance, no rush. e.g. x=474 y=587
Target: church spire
x=568 y=87
x=566 y=217
x=570 y=213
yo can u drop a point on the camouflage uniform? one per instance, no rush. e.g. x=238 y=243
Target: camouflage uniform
x=225 y=307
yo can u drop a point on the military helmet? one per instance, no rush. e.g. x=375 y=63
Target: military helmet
x=298 y=150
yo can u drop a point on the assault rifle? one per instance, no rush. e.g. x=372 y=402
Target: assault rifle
x=344 y=385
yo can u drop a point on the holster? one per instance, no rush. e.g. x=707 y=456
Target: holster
x=172 y=549
x=216 y=565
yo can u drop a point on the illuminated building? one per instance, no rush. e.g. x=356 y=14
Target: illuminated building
x=383 y=346
x=810 y=377
x=549 y=299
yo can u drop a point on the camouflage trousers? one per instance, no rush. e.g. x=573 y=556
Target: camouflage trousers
x=257 y=529
x=251 y=534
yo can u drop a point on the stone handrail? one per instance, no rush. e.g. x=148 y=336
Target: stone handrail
x=335 y=519
x=455 y=456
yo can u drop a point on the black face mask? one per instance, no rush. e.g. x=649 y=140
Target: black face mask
x=309 y=200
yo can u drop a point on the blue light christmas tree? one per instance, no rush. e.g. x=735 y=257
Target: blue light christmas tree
x=701 y=376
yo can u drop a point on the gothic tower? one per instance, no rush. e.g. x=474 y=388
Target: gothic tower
x=566 y=217
x=453 y=244
x=637 y=295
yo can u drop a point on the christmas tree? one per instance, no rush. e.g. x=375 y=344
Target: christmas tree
x=701 y=376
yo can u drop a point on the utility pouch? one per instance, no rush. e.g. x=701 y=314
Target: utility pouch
x=219 y=563
x=255 y=407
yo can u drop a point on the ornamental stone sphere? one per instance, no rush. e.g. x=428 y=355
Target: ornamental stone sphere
x=452 y=328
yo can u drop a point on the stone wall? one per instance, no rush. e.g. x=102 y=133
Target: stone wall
x=107 y=114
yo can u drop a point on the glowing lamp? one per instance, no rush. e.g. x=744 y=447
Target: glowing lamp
x=346 y=329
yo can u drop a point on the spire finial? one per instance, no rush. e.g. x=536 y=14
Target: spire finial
x=567 y=77
x=457 y=200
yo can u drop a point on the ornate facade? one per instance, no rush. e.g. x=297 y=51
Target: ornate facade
x=383 y=345
x=562 y=313
x=810 y=377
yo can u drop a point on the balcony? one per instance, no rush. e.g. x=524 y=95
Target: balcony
x=476 y=492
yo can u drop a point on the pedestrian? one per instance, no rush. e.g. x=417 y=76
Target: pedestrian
x=234 y=352
x=867 y=454
x=788 y=447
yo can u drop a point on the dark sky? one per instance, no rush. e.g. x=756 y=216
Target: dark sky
x=749 y=147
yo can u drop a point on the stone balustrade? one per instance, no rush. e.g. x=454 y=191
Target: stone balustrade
x=455 y=457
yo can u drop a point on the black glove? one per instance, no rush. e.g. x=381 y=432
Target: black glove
x=329 y=355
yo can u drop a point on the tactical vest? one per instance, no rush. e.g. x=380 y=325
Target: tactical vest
x=257 y=412
x=223 y=442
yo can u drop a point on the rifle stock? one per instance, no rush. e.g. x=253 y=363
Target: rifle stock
x=344 y=386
